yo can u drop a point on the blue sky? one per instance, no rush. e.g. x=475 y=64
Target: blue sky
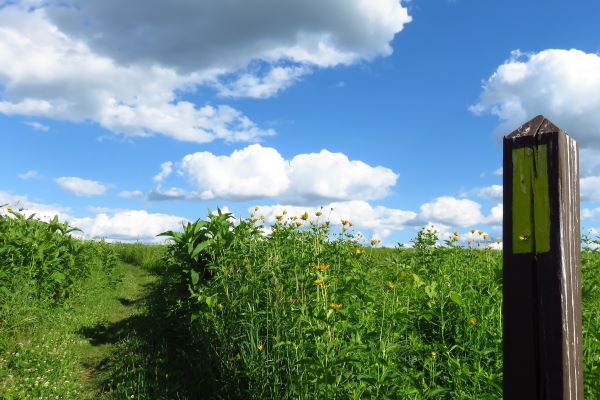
x=127 y=118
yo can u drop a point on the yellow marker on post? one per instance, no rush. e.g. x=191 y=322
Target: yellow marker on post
x=531 y=200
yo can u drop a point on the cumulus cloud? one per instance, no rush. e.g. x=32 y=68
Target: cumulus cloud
x=129 y=194
x=128 y=225
x=81 y=187
x=382 y=221
x=564 y=85
x=41 y=210
x=110 y=224
x=198 y=35
x=172 y=193
x=256 y=172
x=134 y=86
x=452 y=211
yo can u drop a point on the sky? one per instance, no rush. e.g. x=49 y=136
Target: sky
x=128 y=118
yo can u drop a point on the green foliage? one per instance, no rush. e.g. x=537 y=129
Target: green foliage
x=146 y=256
x=38 y=254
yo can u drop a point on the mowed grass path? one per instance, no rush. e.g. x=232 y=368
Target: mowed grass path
x=64 y=353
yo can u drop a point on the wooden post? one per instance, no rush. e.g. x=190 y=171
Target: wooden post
x=541 y=270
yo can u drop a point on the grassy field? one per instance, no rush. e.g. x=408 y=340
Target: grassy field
x=227 y=312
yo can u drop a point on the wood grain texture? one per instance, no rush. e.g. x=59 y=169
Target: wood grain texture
x=542 y=282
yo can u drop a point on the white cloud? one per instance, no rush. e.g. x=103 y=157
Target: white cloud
x=261 y=172
x=69 y=61
x=199 y=35
x=110 y=224
x=499 y=171
x=381 y=220
x=37 y=126
x=564 y=85
x=332 y=176
x=451 y=211
x=128 y=225
x=261 y=87
x=496 y=214
x=129 y=194
x=590 y=188
x=76 y=84
x=81 y=187
x=28 y=175
x=493 y=192
x=165 y=170
x=41 y=210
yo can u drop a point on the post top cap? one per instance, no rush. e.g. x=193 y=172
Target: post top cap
x=537 y=126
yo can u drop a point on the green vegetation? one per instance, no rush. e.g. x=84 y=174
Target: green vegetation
x=229 y=312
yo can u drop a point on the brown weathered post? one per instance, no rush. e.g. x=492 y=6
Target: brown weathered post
x=541 y=271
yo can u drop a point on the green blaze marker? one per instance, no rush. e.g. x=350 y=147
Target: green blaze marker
x=531 y=200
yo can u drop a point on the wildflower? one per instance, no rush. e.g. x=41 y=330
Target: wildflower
x=319 y=282
x=284 y=212
x=279 y=217
x=498 y=241
x=344 y=222
x=472 y=231
x=221 y=306
x=256 y=208
x=485 y=236
x=391 y=285
x=304 y=216
x=318 y=213
x=479 y=233
x=336 y=306
x=260 y=346
x=262 y=218
x=292 y=300
x=322 y=266
x=375 y=242
x=433 y=355
x=359 y=251
x=523 y=237
x=455 y=233
x=298 y=223
x=473 y=321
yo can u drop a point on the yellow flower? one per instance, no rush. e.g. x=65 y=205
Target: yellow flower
x=485 y=236
x=498 y=241
x=304 y=216
x=262 y=217
x=292 y=300
x=336 y=306
x=298 y=223
x=455 y=233
x=472 y=231
x=256 y=208
x=473 y=321
x=479 y=233
x=322 y=266
x=260 y=346
x=375 y=242
x=433 y=355
x=319 y=282
x=391 y=285
x=359 y=251
x=279 y=217
x=344 y=222
x=318 y=213
x=523 y=237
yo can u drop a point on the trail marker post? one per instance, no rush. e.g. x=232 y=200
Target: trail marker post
x=541 y=265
